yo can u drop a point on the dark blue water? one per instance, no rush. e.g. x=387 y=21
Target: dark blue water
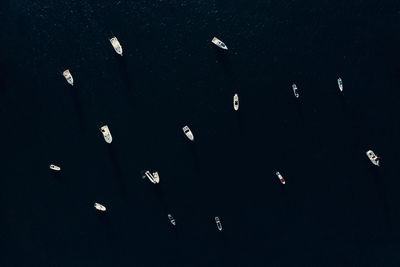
x=336 y=209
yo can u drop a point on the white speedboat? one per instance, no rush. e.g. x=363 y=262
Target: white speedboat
x=219 y=43
x=295 y=90
x=340 y=84
x=236 y=102
x=117 y=46
x=218 y=222
x=171 y=219
x=68 y=76
x=188 y=133
x=280 y=177
x=372 y=157
x=99 y=207
x=55 y=167
x=150 y=176
x=106 y=134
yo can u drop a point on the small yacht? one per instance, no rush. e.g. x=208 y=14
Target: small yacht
x=295 y=90
x=236 y=102
x=372 y=157
x=117 y=46
x=150 y=176
x=171 y=219
x=156 y=177
x=218 y=222
x=106 y=133
x=280 y=177
x=54 y=167
x=340 y=84
x=219 y=43
x=99 y=207
x=68 y=76
x=188 y=133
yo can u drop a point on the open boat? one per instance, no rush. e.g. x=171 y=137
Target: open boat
x=188 y=133
x=218 y=222
x=340 y=84
x=280 y=177
x=106 y=134
x=117 y=46
x=372 y=157
x=171 y=219
x=55 y=167
x=68 y=76
x=219 y=43
x=236 y=102
x=295 y=90
x=99 y=207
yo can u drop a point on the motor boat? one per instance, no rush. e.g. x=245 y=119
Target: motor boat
x=188 y=133
x=340 y=84
x=219 y=43
x=54 y=167
x=106 y=133
x=280 y=177
x=171 y=219
x=372 y=157
x=156 y=177
x=117 y=46
x=295 y=90
x=151 y=177
x=99 y=207
x=68 y=76
x=236 y=102
x=218 y=222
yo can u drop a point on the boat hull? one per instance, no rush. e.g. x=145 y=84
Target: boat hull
x=236 y=102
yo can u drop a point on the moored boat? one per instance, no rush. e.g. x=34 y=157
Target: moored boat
x=55 y=167
x=99 y=207
x=236 y=102
x=372 y=157
x=295 y=90
x=188 y=133
x=171 y=219
x=218 y=222
x=280 y=177
x=68 y=76
x=117 y=46
x=340 y=84
x=150 y=176
x=219 y=43
x=106 y=134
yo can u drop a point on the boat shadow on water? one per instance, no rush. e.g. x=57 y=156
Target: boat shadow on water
x=196 y=159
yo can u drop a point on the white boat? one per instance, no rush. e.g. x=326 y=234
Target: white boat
x=171 y=219
x=218 y=222
x=280 y=177
x=188 y=133
x=156 y=177
x=295 y=90
x=236 y=102
x=99 y=207
x=150 y=176
x=117 y=46
x=55 y=167
x=68 y=76
x=106 y=133
x=219 y=43
x=372 y=157
x=340 y=84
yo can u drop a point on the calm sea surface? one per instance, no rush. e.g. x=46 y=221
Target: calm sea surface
x=336 y=208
